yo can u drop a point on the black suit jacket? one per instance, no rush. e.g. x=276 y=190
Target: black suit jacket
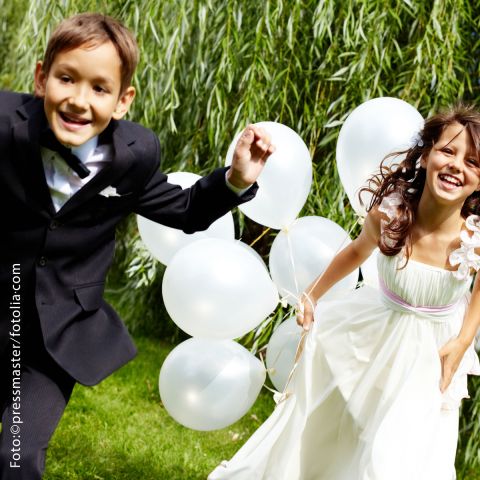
x=64 y=256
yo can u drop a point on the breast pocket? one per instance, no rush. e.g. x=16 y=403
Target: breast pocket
x=111 y=206
x=90 y=297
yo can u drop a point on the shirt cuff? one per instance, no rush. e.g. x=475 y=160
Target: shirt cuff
x=234 y=189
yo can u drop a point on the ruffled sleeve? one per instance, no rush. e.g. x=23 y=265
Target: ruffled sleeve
x=465 y=256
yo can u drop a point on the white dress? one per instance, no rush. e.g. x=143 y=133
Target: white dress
x=364 y=402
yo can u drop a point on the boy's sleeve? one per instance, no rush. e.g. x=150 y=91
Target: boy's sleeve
x=189 y=209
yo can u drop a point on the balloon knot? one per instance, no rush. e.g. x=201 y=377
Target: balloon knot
x=280 y=397
x=284 y=302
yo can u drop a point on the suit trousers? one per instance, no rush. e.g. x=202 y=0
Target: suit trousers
x=30 y=414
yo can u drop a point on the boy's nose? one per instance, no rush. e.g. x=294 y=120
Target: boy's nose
x=79 y=99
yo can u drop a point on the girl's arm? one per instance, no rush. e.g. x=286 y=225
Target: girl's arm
x=350 y=258
x=453 y=351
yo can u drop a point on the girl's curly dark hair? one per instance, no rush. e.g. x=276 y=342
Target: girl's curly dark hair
x=407 y=178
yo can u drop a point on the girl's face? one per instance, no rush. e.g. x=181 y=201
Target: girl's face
x=452 y=168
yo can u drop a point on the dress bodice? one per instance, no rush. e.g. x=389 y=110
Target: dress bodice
x=420 y=284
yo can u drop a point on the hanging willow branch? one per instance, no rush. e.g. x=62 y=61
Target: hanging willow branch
x=210 y=67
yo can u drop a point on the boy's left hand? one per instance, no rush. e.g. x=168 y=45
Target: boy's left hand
x=251 y=152
x=451 y=355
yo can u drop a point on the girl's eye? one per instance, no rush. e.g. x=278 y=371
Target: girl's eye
x=446 y=150
x=473 y=162
x=99 y=89
x=65 y=78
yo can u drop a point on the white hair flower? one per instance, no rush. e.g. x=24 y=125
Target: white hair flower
x=416 y=141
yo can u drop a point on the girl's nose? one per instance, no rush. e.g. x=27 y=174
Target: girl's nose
x=455 y=163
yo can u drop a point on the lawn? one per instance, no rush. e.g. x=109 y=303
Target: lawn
x=119 y=430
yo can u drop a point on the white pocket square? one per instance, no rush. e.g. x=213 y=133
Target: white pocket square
x=109 y=192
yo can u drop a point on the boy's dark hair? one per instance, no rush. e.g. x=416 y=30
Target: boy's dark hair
x=92 y=29
x=407 y=178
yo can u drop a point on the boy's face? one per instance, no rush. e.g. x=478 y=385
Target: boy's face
x=81 y=92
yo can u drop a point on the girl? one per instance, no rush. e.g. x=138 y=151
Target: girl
x=377 y=390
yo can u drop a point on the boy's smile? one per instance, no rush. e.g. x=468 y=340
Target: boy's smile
x=81 y=92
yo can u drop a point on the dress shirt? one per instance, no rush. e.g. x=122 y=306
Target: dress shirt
x=63 y=182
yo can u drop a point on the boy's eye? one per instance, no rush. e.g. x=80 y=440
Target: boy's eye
x=100 y=89
x=65 y=78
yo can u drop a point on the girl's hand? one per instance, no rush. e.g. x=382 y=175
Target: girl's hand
x=305 y=309
x=451 y=355
x=251 y=152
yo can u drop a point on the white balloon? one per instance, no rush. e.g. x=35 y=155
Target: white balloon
x=370 y=271
x=210 y=384
x=217 y=289
x=281 y=350
x=284 y=182
x=163 y=242
x=301 y=253
x=254 y=253
x=373 y=130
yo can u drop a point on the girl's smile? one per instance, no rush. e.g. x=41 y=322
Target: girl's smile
x=449 y=182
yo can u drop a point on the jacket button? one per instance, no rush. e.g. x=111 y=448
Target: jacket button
x=53 y=225
x=42 y=261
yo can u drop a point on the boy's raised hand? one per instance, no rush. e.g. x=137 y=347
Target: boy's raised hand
x=251 y=152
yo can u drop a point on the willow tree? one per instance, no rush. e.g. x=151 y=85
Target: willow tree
x=210 y=67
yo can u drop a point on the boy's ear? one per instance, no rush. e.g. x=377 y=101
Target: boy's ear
x=124 y=102
x=40 y=79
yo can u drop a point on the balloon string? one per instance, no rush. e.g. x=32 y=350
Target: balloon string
x=298 y=354
x=292 y=261
x=300 y=347
x=260 y=236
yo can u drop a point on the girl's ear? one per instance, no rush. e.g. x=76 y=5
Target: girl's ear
x=423 y=161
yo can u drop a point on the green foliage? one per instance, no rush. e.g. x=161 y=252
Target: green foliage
x=119 y=430
x=468 y=457
x=210 y=67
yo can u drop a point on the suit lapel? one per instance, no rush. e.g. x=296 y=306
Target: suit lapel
x=30 y=169
x=122 y=157
x=28 y=164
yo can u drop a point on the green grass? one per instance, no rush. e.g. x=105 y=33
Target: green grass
x=119 y=430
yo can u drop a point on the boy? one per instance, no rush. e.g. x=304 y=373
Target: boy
x=60 y=209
